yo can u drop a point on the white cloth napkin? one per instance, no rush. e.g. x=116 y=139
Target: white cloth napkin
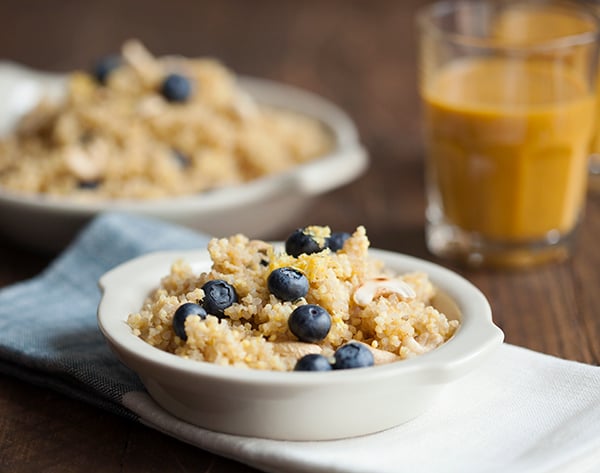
x=522 y=412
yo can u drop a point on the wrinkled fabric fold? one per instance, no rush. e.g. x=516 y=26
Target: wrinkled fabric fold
x=48 y=330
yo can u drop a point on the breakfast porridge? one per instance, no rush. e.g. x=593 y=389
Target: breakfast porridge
x=322 y=303
x=140 y=126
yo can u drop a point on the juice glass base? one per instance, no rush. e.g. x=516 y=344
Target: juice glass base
x=471 y=249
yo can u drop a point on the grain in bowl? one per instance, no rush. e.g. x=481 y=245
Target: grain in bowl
x=143 y=127
x=322 y=303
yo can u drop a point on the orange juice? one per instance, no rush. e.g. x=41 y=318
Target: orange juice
x=508 y=144
x=526 y=24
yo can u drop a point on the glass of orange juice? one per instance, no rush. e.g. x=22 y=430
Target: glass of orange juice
x=509 y=118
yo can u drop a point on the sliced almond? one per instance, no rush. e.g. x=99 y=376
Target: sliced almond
x=244 y=106
x=296 y=349
x=413 y=345
x=151 y=106
x=429 y=341
x=87 y=164
x=373 y=288
x=381 y=357
x=142 y=62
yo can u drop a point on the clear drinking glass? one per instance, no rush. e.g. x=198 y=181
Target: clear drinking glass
x=509 y=114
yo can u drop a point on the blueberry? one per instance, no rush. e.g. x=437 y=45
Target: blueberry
x=336 y=241
x=310 y=323
x=86 y=137
x=287 y=284
x=182 y=313
x=352 y=355
x=176 y=88
x=88 y=185
x=313 y=362
x=218 y=295
x=182 y=159
x=105 y=66
x=299 y=242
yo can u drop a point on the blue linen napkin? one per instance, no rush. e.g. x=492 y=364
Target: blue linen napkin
x=523 y=412
x=48 y=329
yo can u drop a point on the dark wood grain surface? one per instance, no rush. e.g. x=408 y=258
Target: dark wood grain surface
x=361 y=55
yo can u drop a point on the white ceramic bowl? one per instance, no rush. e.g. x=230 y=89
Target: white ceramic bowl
x=256 y=208
x=295 y=405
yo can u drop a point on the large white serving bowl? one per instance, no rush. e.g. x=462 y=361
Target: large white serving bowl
x=296 y=405
x=257 y=208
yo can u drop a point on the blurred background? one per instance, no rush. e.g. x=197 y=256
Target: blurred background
x=361 y=55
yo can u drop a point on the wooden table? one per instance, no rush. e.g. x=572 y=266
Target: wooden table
x=362 y=55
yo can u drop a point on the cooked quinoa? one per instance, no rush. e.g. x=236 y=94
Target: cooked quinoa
x=122 y=137
x=254 y=332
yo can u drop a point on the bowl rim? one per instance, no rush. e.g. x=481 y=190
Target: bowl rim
x=476 y=337
x=265 y=91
